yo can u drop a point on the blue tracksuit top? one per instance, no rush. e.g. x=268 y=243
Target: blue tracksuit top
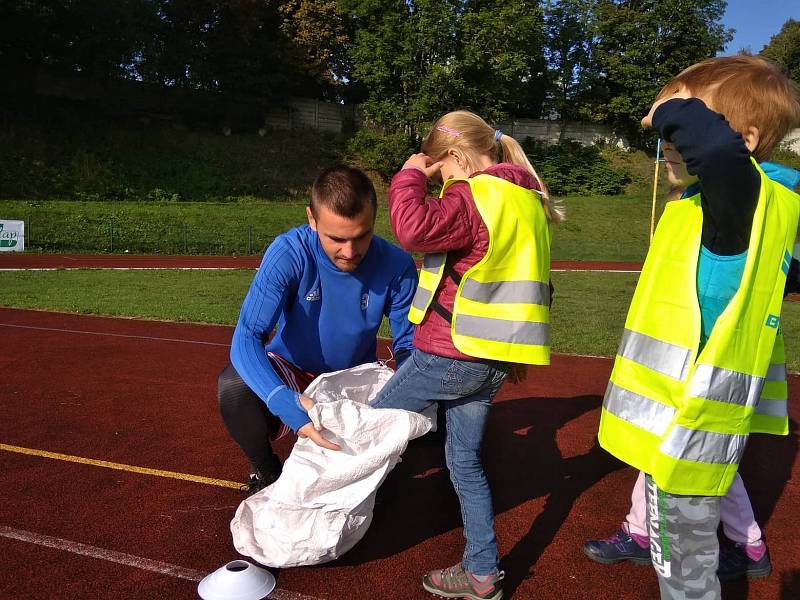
x=326 y=319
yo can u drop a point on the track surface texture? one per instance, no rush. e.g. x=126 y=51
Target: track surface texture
x=142 y=393
x=125 y=261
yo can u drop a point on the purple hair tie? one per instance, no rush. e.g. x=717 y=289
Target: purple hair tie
x=497 y=135
x=448 y=130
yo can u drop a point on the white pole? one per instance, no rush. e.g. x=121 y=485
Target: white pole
x=655 y=190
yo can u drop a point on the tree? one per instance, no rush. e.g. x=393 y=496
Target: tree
x=316 y=28
x=501 y=58
x=417 y=59
x=402 y=56
x=98 y=38
x=226 y=45
x=640 y=45
x=568 y=26
x=784 y=49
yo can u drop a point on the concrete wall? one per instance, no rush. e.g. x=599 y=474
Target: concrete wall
x=316 y=114
x=552 y=132
x=327 y=116
x=792 y=140
x=247 y=113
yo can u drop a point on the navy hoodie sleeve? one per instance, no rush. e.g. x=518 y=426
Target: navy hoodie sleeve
x=793 y=278
x=718 y=156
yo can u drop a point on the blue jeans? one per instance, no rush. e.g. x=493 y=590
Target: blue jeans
x=466 y=390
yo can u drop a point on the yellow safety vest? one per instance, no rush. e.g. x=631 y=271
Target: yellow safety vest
x=502 y=305
x=684 y=418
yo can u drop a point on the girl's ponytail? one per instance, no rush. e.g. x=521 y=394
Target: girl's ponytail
x=513 y=153
x=473 y=136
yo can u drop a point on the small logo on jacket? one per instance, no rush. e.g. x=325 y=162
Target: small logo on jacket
x=314 y=295
x=364 y=301
x=772 y=321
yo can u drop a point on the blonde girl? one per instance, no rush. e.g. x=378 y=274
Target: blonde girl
x=482 y=308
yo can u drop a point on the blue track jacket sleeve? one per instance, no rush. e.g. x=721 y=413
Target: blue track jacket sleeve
x=270 y=291
x=403 y=289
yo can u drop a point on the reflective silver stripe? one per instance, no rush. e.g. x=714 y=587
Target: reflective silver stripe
x=507 y=292
x=723 y=385
x=704 y=446
x=500 y=330
x=639 y=410
x=662 y=357
x=433 y=262
x=421 y=298
x=777 y=372
x=773 y=408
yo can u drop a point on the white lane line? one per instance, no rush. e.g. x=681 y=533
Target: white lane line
x=594 y=271
x=101 y=553
x=129 y=560
x=121 y=335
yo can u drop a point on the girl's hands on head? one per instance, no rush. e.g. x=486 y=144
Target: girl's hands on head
x=424 y=163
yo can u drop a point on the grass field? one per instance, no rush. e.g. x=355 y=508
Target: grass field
x=242 y=227
x=592 y=230
x=588 y=312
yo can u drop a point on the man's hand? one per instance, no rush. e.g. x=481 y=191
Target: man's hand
x=309 y=431
x=424 y=163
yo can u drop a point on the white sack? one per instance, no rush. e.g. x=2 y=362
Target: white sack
x=322 y=503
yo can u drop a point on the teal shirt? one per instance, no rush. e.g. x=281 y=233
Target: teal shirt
x=718 y=277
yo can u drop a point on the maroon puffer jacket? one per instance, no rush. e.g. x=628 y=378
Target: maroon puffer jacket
x=453 y=225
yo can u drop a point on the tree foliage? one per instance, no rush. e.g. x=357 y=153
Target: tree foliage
x=569 y=52
x=405 y=61
x=98 y=38
x=784 y=49
x=640 y=44
x=417 y=59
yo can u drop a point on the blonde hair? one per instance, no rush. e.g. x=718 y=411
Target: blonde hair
x=474 y=137
x=749 y=91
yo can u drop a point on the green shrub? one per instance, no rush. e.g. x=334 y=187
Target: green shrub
x=377 y=151
x=569 y=168
x=161 y=174
x=54 y=149
x=785 y=156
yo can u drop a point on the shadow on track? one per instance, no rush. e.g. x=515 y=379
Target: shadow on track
x=523 y=461
x=766 y=469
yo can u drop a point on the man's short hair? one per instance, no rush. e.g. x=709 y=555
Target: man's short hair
x=749 y=91
x=345 y=191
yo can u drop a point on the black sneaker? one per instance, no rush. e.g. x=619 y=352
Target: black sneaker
x=258 y=482
x=735 y=564
x=618 y=548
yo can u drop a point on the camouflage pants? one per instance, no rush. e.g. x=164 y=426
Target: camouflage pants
x=683 y=543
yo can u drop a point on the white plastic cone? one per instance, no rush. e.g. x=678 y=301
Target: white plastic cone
x=238 y=580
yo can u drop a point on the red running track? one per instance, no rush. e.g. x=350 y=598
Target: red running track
x=142 y=393
x=11 y=260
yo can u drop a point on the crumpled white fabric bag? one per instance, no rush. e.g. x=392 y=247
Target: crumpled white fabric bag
x=323 y=501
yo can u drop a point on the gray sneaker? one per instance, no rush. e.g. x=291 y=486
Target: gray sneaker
x=455 y=582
